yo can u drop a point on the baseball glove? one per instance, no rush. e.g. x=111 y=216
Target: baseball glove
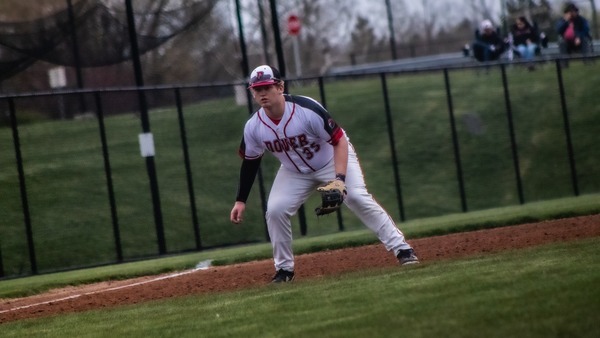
x=332 y=197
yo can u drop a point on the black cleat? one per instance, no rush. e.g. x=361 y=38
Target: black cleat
x=283 y=276
x=407 y=257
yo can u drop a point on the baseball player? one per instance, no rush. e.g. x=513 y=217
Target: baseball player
x=314 y=151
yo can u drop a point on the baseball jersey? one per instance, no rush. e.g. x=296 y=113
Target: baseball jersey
x=302 y=140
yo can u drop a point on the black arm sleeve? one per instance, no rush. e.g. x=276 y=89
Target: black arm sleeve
x=247 y=175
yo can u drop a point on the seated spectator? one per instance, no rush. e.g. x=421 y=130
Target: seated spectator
x=488 y=45
x=573 y=31
x=524 y=38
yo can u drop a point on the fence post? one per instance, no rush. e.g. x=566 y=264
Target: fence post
x=145 y=120
x=188 y=169
x=246 y=71
x=324 y=102
x=23 y=188
x=76 y=55
x=391 y=29
x=565 y=113
x=388 y=115
x=282 y=71
x=109 y=182
x=459 y=173
x=1 y=263
x=511 y=130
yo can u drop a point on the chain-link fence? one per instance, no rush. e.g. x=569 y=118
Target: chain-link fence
x=78 y=192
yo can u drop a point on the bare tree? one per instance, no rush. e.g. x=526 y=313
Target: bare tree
x=207 y=52
x=366 y=46
x=25 y=10
x=478 y=10
x=430 y=21
x=325 y=24
x=104 y=45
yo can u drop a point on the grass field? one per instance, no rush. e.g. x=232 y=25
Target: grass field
x=548 y=291
x=425 y=227
x=67 y=192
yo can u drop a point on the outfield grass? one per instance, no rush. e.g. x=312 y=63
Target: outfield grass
x=547 y=291
x=70 y=212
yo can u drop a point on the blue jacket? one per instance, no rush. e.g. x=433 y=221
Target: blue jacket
x=581 y=25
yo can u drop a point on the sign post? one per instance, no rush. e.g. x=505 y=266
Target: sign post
x=294 y=25
x=58 y=80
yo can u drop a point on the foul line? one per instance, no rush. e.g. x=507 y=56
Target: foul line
x=104 y=290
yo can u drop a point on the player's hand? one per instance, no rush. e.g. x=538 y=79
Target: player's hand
x=237 y=213
x=332 y=196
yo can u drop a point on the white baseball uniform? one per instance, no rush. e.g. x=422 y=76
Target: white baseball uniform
x=303 y=142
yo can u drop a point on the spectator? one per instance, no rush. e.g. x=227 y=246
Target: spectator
x=573 y=31
x=488 y=45
x=525 y=38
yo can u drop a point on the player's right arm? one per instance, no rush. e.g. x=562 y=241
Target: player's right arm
x=247 y=175
x=248 y=172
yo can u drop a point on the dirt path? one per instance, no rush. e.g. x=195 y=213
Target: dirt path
x=252 y=274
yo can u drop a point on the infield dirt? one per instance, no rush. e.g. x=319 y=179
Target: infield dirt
x=315 y=265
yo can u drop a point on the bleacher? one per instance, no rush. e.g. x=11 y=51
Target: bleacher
x=457 y=59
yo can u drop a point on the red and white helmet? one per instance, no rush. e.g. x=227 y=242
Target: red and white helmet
x=263 y=76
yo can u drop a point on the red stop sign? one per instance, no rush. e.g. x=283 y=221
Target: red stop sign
x=293 y=24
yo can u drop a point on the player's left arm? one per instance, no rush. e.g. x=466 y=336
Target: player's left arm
x=340 y=156
x=334 y=191
x=339 y=141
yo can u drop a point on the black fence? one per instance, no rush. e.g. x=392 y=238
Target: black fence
x=100 y=188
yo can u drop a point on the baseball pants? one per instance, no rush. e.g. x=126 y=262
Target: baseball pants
x=291 y=189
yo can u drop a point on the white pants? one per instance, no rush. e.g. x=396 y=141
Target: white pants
x=291 y=189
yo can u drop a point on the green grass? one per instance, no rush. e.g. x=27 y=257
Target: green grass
x=413 y=229
x=70 y=212
x=547 y=291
